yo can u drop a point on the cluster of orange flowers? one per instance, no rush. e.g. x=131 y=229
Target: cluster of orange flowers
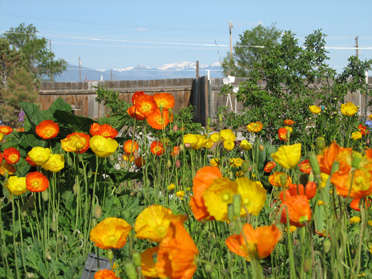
x=155 y=109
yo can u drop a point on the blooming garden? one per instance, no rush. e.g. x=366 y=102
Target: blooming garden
x=159 y=196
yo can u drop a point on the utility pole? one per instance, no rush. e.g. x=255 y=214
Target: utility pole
x=357 y=46
x=79 y=70
x=230 y=26
x=111 y=74
x=51 y=66
x=197 y=68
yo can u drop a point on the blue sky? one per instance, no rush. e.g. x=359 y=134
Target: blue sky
x=120 y=34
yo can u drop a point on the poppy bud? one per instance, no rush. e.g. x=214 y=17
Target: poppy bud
x=327 y=245
x=31 y=201
x=178 y=163
x=175 y=128
x=208 y=121
x=356 y=159
x=129 y=183
x=47 y=254
x=307 y=265
x=54 y=226
x=136 y=257
x=245 y=166
x=135 y=153
x=237 y=205
x=45 y=195
x=110 y=255
x=335 y=167
x=31 y=275
x=320 y=143
x=169 y=164
x=283 y=180
x=24 y=210
x=97 y=211
x=261 y=147
x=314 y=164
x=230 y=212
x=94 y=222
x=209 y=268
x=187 y=145
x=220 y=117
x=130 y=270
x=182 y=148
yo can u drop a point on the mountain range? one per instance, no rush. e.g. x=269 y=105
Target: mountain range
x=141 y=72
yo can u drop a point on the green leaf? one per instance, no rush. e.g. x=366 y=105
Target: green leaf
x=60 y=104
x=73 y=123
x=30 y=140
x=121 y=175
x=117 y=121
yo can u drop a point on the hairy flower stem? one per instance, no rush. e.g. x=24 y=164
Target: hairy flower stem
x=21 y=235
x=14 y=241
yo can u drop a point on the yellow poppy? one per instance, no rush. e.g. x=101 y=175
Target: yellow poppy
x=253 y=195
x=103 y=147
x=349 y=109
x=315 y=109
x=245 y=145
x=288 y=156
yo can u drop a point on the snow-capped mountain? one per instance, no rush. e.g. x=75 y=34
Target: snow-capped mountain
x=173 y=70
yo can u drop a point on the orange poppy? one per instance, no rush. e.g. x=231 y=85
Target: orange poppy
x=1 y=158
x=357 y=184
x=145 y=104
x=157 y=148
x=147 y=262
x=280 y=179
x=298 y=189
x=159 y=119
x=298 y=209
x=355 y=203
x=111 y=233
x=259 y=242
x=329 y=155
x=164 y=100
x=105 y=274
x=175 y=152
x=108 y=131
x=11 y=155
x=6 y=130
x=269 y=167
x=30 y=162
x=95 y=129
x=255 y=127
x=288 y=122
x=20 y=129
x=7 y=168
x=282 y=133
x=136 y=95
x=47 y=129
x=130 y=146
x=36 y=182
x=134 y=113
x=76 y=142
x=139 y=162
x=369 y=153
x=304 y=166
x=202 y=180
x=177 y=253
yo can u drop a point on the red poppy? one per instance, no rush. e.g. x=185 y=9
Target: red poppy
x=145 y=104
x=47 y=129
x=288 y=122
x=30 y=162
x=164 y=100
x=363 y=129
x=130 y=146
x=1 y=158
x=158 y=120
x=177 y=253
x=157 y=148
x=139 y=162
x=6 y=130
x=282 y=133
x=134 y=113
x=304 y=166
x=36 y=182
x=11 y=155
x=269 y=167
x=298 y=209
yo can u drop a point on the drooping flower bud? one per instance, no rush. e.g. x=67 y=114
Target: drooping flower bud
x=130 y=270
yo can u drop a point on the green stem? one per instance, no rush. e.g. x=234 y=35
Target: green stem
x=14 y=240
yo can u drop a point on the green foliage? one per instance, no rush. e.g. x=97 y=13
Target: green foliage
x=40 y=60
x=246 y=53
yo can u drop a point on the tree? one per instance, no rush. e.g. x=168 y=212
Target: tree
x=247 y=52
x=40 y=60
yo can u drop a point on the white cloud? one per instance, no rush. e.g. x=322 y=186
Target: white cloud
x=142 y=29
